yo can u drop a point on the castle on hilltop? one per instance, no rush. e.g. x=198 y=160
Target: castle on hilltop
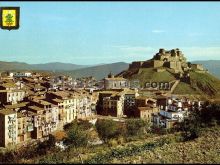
x=173 y=59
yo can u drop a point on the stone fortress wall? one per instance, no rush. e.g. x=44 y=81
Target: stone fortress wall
x=173 y=59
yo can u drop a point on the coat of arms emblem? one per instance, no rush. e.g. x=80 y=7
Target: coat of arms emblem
x=9 y=17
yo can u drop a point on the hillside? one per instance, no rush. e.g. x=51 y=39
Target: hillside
x=200 y=83
x=150 y=75
x=212 y=65
x=55 y=66
x=14 y=66
x=81 y=70
x=205 y=149
x=167 y=66
x=150 y=149
x=99 y=71
x=58 y=66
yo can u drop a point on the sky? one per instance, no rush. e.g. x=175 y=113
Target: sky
x=90 y=33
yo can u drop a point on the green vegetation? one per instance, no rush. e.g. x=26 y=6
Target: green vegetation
x=204 y=149
x=150 y=75
x=205 y=82
x=213 y=66
x=120 y=153
x=135 y=127
x=184 y=88
x=196 y=140
x=77 y=133
x=107 y=129
x=76 y=137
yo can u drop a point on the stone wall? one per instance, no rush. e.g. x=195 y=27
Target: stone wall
x=136 y=64
x=197 y=67
x=157 y=63
x=173 y=59
x=147 y=64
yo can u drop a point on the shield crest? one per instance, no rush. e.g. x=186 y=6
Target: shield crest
x=9 y=17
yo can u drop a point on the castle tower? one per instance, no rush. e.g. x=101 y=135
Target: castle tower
x=162 y=51
x=173 y=52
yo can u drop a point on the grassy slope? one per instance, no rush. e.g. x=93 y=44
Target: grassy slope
x=205 y=149
x=148 y=74
x=212 y=65
x=201 y=83
x=184 y=88
x=206 y=83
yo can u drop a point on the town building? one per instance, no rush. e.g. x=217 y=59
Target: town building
x=174 y=111
x=8 y=128
x=112 y=82
x=145 y=107
x=11 y=96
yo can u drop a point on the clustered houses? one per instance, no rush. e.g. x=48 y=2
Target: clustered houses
x=172 y=111
x=31 y=110
x=34 y=106
x=145 y=107
x=116 y=102
x=84 y=82
x=126 y=102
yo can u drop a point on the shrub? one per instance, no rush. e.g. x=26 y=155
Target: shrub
x=85 y=125
x=77 y=138
x=120 y=140
x=69 y=126
x=190 y=129
x=107 y=129
x=76 y=135
x=112 y=143
x=135 y=126
x=9 y=157
x=51 y=159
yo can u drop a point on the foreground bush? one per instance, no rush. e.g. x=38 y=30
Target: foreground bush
x=76 y=135
x=136 y=127
x=107 y=129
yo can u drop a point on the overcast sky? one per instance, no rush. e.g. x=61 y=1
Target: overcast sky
x=106 y=32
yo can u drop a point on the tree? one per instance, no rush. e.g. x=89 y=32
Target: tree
x=9 y=20
x=136 y=126
x=107 y=129
x=76 y=136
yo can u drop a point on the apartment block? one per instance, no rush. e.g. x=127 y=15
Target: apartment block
x=8 y=128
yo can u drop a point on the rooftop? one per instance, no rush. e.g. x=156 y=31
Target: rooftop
x=35 y=108
x=7 y=112
x=9 y=85
x=58 y=100
x=23 y=104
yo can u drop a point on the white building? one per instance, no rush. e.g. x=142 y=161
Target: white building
x=171 y=113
